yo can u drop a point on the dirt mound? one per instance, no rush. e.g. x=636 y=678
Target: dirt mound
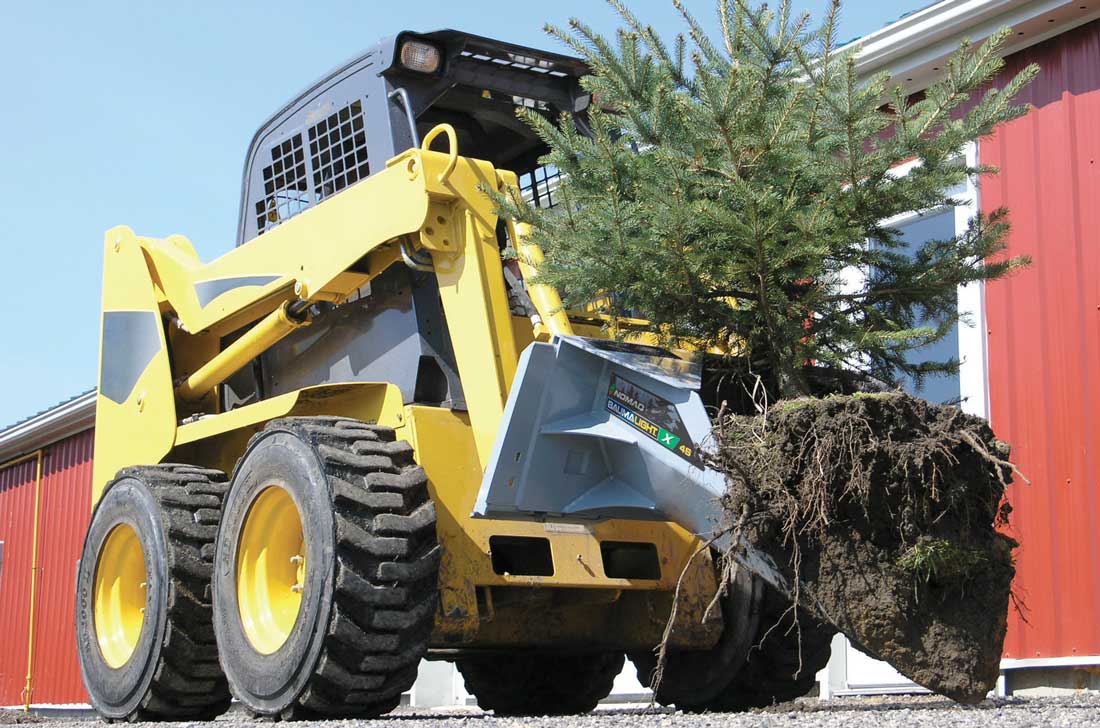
x=882 y=509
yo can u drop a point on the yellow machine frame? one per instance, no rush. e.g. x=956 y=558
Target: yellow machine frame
x=430 y=202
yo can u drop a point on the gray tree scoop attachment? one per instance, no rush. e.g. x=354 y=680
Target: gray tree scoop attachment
x=597 y=429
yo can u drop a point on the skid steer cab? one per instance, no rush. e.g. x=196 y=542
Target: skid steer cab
x=357 y=440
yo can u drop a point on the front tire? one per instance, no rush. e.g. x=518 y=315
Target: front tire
x=327 y=570
x=763 y=657
x=693 y=679
x=540 y=684
x=784 y=661
x=145 y=640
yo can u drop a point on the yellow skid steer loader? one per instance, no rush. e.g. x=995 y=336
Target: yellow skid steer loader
x=359 y=440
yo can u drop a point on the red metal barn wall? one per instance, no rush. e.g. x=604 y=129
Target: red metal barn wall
x=64 y=511
x=1044 y=343
x=16 y=529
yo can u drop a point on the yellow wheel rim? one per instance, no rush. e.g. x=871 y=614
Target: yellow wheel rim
x=271 y=569
x=119 y=598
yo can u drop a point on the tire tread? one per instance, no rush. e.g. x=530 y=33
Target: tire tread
x=386 y=569
x=188 y=682
x=780 y=665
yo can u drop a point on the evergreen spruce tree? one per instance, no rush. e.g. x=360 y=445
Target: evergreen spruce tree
x=727 y=188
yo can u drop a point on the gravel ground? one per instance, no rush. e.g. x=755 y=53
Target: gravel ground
x=879 y=712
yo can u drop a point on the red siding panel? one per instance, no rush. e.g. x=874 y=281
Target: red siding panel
x=1044 y=343
x=16 y=529
x=65 y=511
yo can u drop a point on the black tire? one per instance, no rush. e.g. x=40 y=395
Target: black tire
x=784 y=661
x=369 y=594
x=778 y=663
x=694 y=677
x=540 y=684
x=173 y=672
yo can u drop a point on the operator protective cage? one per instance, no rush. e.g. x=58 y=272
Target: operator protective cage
x=362 y=114
x=381 y=103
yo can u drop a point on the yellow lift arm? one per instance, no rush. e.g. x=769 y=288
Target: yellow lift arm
x=423 y=200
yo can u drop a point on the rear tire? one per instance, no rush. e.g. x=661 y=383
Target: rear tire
x=369 y=578
x=540 y=684
x=157 y=659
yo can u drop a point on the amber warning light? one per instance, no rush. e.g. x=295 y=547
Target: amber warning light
x=420 y=56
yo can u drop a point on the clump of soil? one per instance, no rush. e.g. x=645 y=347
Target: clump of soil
x=881 y=509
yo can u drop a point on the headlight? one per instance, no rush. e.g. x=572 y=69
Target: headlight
x=419 y=56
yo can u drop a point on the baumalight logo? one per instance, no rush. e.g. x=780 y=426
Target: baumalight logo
x=624 y=404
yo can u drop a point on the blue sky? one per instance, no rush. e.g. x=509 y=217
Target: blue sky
x=140 y=113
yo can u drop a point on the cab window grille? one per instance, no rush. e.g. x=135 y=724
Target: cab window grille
x=540 y=186
x=338 y=151
x=295 y=179
x=286 y=185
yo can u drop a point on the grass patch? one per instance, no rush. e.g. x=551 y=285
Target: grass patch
x=940 y=560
